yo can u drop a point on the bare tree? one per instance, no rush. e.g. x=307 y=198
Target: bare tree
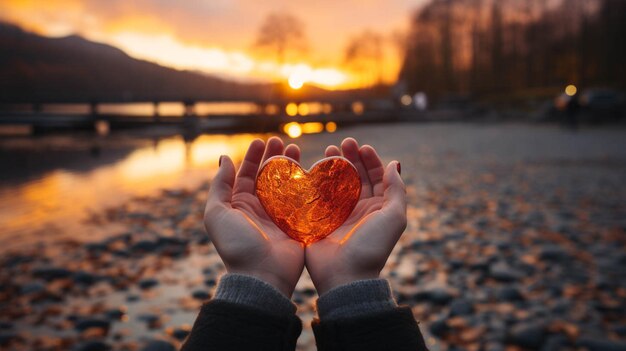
x=364 y=54
x=281 y=33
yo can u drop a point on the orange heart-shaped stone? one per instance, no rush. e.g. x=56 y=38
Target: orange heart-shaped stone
x=308 y=205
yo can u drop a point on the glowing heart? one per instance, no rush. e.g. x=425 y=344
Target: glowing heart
x=308 y=205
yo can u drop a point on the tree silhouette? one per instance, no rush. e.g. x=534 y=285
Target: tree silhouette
x=281 y=33
x=525 y=47
x=364 y=54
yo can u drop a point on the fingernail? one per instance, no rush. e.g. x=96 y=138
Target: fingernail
x=399 y=168
x=219 y=163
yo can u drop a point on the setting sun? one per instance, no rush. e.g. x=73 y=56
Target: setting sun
x=295 y=82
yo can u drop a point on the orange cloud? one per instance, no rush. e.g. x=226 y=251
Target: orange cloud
x=219 y=33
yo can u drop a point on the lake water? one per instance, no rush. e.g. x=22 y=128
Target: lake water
x=49 y=185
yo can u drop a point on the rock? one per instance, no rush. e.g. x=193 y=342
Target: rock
x=7 y=338
x=158 y=345
x=502 y=272
x=593 y=344
x=494 y=346
x=92 y=346
x=461 y=307
x=553 y=253
x=440 y=296
x=148 y=283
x=32 y=288
x=509 y=293
x=180 y=333
x=96 y=247
x=439 y=328
x=144 y=246
x=121 y=253
x=51 y=273
x=174 y=241
x=527 y=334
x=152 y=320
x=456 y=235
x=534 y=217
x=298 y=300
x=84 y=278
x=309 y=292
x=619 y=330
x=562 y=306
x=201 y=295
x=115 y=313
x=480 y=264
x=555 y=343
x=89 y=323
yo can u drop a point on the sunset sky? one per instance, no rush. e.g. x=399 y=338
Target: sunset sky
x=218 y=36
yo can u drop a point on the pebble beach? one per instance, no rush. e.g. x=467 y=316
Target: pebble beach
x=516 y=240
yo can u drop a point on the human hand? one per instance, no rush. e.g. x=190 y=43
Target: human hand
x=245 y=237
x=360 y=247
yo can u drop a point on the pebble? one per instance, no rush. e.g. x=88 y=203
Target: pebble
x=84 y=324
x=461 y=307
x=93 y=346
x=180 y=333
x=528 y=334
x=553 y=253
x=115 y=313
x=502 y=272
x=7 y=338
x=440 y=296
x=148 y=283
x=144 y=246
x=32 y=288
x=51 y=273
x=439 y=327
x=158 y=345
x=593 y=344
x=201 y=295
x=84 y=278
x=509 y=293
x=555 y=343
x=153 y=321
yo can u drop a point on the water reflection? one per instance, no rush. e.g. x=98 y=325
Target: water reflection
x=55 y=203
x=295 y=129
x=307 y=108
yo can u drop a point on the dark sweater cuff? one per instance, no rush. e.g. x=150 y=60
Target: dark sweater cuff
x=356 y=299
x=252 y=292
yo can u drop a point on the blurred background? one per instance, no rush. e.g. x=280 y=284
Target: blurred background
x=507 y=117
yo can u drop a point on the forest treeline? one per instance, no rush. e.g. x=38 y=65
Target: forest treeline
x=487 y=47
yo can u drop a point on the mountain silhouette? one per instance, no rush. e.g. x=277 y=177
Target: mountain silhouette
x=34 y=68
x=72 y=69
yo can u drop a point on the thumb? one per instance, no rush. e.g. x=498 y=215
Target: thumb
x=221 y=190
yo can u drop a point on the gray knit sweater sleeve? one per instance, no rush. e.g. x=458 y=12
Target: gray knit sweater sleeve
x=356 y=299
x=253 y=292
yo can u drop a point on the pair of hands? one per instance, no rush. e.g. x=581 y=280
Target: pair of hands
x=250 y=243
